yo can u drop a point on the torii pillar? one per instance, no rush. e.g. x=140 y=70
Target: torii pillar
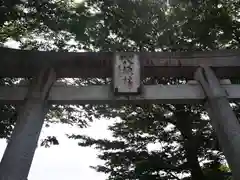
x=18 y=156
x=223 y=119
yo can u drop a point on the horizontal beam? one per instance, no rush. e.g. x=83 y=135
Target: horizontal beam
x=26 y=63
x=161 y=94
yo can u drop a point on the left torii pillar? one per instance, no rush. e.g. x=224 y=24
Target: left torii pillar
x=18 y=156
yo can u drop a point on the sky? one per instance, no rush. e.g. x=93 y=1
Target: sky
x=67 y=160
x=78 y=1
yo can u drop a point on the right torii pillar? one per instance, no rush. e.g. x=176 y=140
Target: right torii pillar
x=223 y=119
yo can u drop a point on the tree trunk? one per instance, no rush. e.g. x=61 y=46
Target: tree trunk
x=190 y=144
x=192 y=159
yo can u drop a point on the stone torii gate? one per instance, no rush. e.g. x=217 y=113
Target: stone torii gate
x=205 y=70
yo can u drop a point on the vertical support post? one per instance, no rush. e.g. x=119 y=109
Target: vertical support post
x=223 y=119
x=18 y=156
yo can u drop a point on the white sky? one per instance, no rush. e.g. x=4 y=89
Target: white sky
x=78 y=1
x=67 y=160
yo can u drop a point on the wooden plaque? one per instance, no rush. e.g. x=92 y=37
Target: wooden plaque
x=126 y=74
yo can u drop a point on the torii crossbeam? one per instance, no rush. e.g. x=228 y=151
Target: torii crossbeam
x=25 y=63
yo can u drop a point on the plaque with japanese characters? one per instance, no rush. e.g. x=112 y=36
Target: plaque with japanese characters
x=127 y=72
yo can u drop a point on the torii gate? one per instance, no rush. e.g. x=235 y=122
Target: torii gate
x=203 y=69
